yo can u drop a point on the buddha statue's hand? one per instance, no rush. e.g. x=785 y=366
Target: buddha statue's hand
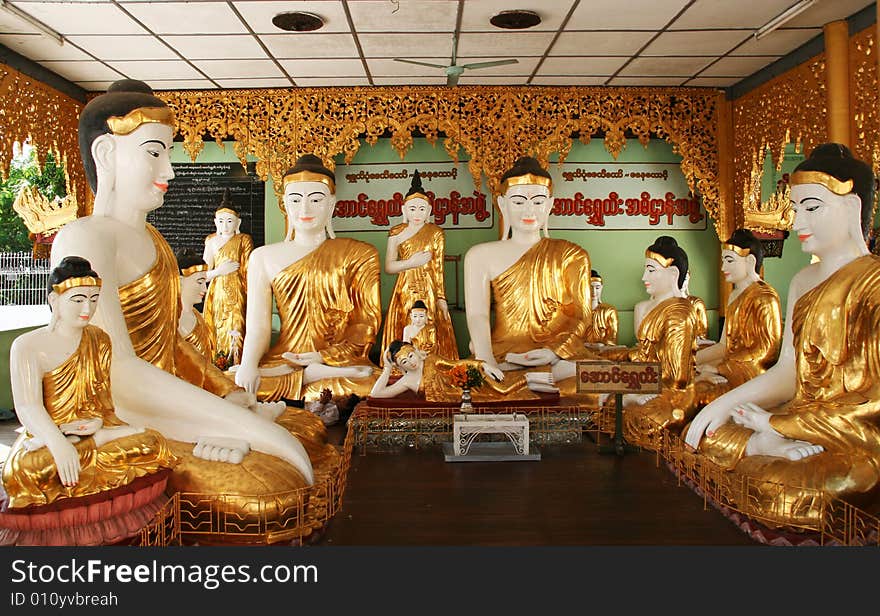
x=304 y=359
x=443 y=306
x=707 y=421
x=227 y=267
x=637 y=399
x=419 y=259
x=493 y=370
x=241 y=397
x=66 y=459
x=248 y=376
x=83 y=427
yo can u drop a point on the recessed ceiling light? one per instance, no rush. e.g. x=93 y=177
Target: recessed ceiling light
x=515 y=20
x=297 y=21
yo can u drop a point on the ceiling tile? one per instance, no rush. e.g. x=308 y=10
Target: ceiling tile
x=523 y=66
x=254 y=83
x=318 y=82
x=568 y=80
x=10 y=24
x=94 y=86
x=182 y=84
x=150 y=71
x=778 y=42
x=83 y=71
x=646 y=81
x=614 y=15
x=606 y=43
x=718 y=82
x=410 y=81
x=738 y=67
x=588 y=65
x=323 y=68
x=428 y=45
x=38 y=47
x=684 y=67
x=232 y=69
x=310 y=45
x=476 y=79
x=82 y=18
x=701 y=43
x=407 y=16
x=210 y=47
x=726 y=14
x=390 y=68
x=125 y=47
x=188 y=17
x=259 y=15
x=824 y=12
x=512 y=44
x=476 y=15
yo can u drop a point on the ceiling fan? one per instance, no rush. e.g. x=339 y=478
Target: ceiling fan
x=453 y=71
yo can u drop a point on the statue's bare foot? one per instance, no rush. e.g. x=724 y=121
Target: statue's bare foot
x=221 y=449
x=541 y=382
x=105 y=435
x=269 y=410
x=771 y=443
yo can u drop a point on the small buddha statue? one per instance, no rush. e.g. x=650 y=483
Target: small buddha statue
x=753 y=325
x=812 y=421
x=327 y=292
x=666 y=327
x=193 y=287
x=537 y=285
x=415 y=254
x=417 y=330
x=226 y=253
x=74 y=444
x=604 y=325
x=700 y=309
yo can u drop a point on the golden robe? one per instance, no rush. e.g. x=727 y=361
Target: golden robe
x=79 y=389
x=424 y=283
x=436 y=385
x=200 y=337
x=604 y=325
x=328 y=301
x=151 y=307
x=753 y=334
x=225 y=301
x=667 y=334
x=702 y=316
x=836 y=404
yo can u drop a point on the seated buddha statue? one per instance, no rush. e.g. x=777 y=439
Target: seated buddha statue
x=537 y=285
x=227 y=252
x=666 y=327
x=700 y=309
x=191 y=325
x=604 y=324
x=415 y=254
x=74 y=444
x=753 y=325
x=159 y=380
x=327 y=292
x=812 y=420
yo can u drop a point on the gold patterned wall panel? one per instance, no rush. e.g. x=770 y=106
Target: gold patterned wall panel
x=864 y=92
x=29 y=109
x=491 y=125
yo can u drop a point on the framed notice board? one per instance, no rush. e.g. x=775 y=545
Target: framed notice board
x=187 y=217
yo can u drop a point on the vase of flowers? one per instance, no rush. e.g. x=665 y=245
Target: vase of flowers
x=467 y=377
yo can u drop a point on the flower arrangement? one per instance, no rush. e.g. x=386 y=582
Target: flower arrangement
x=221 y=360
x=466 y=376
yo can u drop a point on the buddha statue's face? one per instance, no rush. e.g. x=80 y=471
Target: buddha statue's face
x=409 y=359
x=75 y=306
x=526 y=206
x=418 y=317
x=659 y=280
x=193 y=288
x=227 y=224
x=822 y=219
x=734 y=267
x=309 y=205
x=141 y=165
x=596 y=289
x=416 y=211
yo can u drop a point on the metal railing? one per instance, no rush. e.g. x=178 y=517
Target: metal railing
x=23 y=279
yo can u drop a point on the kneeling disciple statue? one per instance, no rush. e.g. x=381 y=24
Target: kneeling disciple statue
x=812 y=421
x=605 y=321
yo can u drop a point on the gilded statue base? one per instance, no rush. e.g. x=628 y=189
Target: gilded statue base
x=113 y=517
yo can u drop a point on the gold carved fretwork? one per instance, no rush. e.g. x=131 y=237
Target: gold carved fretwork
x=31 y=110
x=492 y=125
x=864 y=88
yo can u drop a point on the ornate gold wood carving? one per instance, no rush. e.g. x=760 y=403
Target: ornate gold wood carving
x=864 y=88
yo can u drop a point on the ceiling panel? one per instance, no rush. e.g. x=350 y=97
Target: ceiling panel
x=670 y=67
x=239 y=46
x=182 y=84
x=738 y=67
x=716 y=82
x=10 y=24
x=476 y=15
x=632 y=15
x=232 y=69
x=390 y=68
x=405 y=16
x=310 y=45
x=409 y=81
x=700 y=43
x=151 y=71
x=273 y=82
x=259 y=15
x=719 y=14
x=319 y=82
x=188 y=18
x=504 y=43
x=429 y=45
x=646 y=81
x=125 y=47
x=825 y=11
x=581 y=66
x=83 y=71
x=476 y=78
x=94 y=86
x=605 y=43
x=82 y=18
x=777 y=43
x=39 y=47
x=555 y=80
x=323 y=68
x=523 y=66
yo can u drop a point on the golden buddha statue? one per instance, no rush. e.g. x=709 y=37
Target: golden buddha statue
x=753 y=327
x=226 y=253
x=74 y=444
x=604 y=325
x=537 y=285
x=666 y=327
x=327 y=293
x=193 y=288
x=415 y=253
x=820 y=432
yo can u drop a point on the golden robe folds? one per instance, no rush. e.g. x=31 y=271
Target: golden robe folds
x=226 y=297
x=605 y=325
x=80 y=389
x=836 y=404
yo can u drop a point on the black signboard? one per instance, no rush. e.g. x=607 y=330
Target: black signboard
x=187 y=217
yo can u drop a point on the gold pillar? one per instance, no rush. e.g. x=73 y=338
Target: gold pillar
x=837 y=82
x=731 y=216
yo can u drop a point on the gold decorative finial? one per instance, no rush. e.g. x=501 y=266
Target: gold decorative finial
x=41 y=216
x=775 y=214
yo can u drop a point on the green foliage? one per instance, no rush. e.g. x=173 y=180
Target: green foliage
x=25 y=171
